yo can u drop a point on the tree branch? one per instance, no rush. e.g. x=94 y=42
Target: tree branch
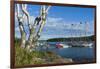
x=21 y=27
x=27 y=14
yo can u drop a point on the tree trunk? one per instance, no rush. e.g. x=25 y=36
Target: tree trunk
x=30 y=39
x=34 y=35
x=21 y=27
x=23 y=35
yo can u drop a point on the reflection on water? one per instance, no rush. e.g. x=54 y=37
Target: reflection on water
x=76 y=53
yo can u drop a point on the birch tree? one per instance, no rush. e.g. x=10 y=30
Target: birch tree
x=39 y=20
x=21 y=27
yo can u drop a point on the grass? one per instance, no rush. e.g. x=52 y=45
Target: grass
x=24 y=57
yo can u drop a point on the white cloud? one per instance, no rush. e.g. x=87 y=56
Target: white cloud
x=59 y=23
x=58 y=27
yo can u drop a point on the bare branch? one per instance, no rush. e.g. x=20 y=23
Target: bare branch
x=48 y=9
x=21 y=27
x=17 y=8
x=43 y=13
x=27 y=14
x=43 y=16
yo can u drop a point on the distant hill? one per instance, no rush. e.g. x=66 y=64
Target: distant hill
x=88 y=38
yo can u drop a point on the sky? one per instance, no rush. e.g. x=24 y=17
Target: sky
x=62 y=22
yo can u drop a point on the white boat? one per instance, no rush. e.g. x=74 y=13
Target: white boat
x=90 y=45
x=66 y=46
x=62 y=46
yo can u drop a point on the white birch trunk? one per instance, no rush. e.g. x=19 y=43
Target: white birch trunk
x=21 y=27
x=43 y=13
x=33 y=36
x=31 y=29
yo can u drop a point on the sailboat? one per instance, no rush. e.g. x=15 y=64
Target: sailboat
x=87 y=44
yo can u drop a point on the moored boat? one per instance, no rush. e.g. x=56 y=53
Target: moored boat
x=62 y=46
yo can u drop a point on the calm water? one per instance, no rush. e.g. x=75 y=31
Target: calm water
x=76 y=53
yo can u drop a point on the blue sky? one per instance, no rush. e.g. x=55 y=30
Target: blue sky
x=59 y=22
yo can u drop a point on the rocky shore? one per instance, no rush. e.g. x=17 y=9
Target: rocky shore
x=37 y=57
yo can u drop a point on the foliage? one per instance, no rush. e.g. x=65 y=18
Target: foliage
x=88 y=38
